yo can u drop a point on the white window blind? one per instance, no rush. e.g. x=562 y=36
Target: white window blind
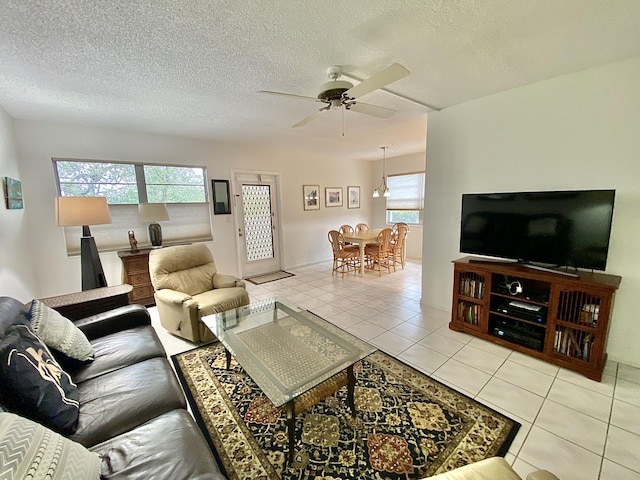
x=406 y=192
x=188 y=222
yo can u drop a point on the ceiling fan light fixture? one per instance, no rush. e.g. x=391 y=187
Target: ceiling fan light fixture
x=343 y=94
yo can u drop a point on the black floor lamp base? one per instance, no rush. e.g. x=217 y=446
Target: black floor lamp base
x=92 y=273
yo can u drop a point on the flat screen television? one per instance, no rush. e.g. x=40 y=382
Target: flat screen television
x=556 y=228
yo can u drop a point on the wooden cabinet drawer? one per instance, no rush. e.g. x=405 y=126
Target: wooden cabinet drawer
x=139 y=265
x=141 y=292
x=139 y=278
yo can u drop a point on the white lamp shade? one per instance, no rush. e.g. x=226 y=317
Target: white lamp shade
x=75 y=211
x=152 y=212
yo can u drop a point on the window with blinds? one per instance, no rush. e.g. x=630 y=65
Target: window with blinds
x=125 y=185
x=405 y=202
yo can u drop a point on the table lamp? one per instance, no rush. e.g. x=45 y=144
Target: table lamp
x=85 y=211
x=153 y=213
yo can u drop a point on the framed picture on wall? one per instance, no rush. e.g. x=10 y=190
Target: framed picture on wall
x=13 y=193
x=333 y=196
x=311 y=197
x=353 y=197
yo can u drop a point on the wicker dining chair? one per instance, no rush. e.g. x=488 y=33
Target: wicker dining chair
x=362 y=227
x=398 y=244
x=398 y=224
x=346 y=258
x=346 y=230
x=379 y=253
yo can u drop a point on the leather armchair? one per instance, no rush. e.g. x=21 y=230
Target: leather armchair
x=188 y=286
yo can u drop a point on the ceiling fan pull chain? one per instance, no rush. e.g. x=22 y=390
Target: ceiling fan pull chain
x=342 y=109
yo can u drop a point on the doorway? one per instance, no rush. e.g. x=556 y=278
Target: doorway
x=257 y=221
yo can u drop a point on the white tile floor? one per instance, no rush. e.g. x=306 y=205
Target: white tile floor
x=575 y=427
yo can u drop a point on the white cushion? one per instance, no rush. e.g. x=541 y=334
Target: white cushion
x=33 y=451
x=59 y=332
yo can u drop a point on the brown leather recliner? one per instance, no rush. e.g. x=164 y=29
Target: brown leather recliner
x=188 y=286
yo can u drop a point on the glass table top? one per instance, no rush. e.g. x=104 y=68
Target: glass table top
x=285 y=349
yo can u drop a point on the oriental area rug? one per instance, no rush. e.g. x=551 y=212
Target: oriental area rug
x=407 y=425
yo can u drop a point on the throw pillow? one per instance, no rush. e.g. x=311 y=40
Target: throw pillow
x=9 y=309
x=59 y=332
x=33 y=383
x=33 y=451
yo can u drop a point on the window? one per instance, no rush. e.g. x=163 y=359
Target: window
x=182 y=188
x=175 y=184
x=406 y=200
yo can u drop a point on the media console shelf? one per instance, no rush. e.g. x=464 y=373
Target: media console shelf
x=550 y=316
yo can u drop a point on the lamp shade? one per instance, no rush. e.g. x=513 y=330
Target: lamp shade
x=85 y=211
x=152 y=212
x=75 y=211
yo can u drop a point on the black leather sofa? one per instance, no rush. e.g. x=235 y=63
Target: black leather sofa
x=132 y=408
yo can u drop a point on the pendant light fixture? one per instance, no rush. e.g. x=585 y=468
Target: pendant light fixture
x=382 y=188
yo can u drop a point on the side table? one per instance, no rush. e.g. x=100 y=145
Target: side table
x=135 y=271
x=79 y=305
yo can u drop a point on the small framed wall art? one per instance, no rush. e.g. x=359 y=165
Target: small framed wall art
x=13 y=193
x=353 y=197
x=311 y=197
x=333 y=196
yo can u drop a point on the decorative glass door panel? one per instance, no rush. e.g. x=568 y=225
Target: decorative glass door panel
x=257 y=223
x=256 y=202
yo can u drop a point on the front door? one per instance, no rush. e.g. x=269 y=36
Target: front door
x=257 y=223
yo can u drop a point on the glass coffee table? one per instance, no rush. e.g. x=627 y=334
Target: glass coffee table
x=294 y=356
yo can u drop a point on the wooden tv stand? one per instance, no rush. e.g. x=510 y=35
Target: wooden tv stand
x=550 y=316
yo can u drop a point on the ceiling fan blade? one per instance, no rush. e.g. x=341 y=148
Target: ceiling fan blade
x=374 y=110
x=379 y=80
x=311 y=117
x=280 y=94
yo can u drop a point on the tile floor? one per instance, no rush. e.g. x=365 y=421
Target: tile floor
x=572 y=426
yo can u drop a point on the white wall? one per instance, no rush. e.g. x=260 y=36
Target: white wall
x=578 y=131
x=397 y=165
x=16 y=267
x=304 y=232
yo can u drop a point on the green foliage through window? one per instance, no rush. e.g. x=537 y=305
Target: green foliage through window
x=406 y=216
x=174 y=184
x=127 y=183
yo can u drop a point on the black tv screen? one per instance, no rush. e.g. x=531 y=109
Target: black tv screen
x=559 y=228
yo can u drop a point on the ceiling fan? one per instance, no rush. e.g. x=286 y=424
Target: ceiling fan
x=342 y=94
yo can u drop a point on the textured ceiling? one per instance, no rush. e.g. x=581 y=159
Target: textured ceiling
x=192 y=67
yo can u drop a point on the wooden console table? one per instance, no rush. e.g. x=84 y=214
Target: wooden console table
x=83 y=304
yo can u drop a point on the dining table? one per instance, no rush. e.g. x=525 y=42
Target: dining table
x=362 y=238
